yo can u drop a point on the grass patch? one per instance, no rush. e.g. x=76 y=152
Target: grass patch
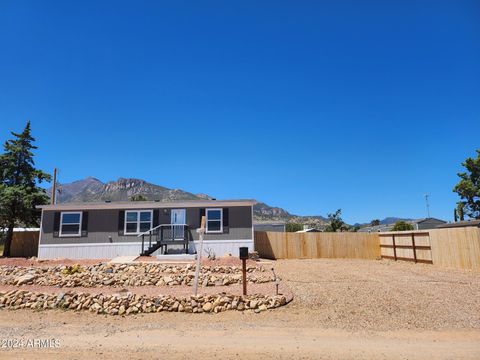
x=1 y=249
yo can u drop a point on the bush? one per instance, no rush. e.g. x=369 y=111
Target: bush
x=402 y=226
x=293 y=227
x=72 y=269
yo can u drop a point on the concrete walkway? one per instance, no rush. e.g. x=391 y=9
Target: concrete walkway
x=123 y=259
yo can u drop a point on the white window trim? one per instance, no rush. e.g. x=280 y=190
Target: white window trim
x=79 y=225
x=138 y=221
x=221 y=221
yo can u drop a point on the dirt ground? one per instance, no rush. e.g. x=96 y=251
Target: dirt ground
x=343 y=309
x=177 y=290
x=43 y=263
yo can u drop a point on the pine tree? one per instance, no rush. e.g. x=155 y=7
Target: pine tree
x=335 y=222
x=19 y=191
x=468 y=188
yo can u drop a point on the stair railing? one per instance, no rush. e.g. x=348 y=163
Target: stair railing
x=161 y=228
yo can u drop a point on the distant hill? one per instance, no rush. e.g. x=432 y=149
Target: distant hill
x=91 y=189
x=393 y=220
x=386 y=221
x=94 y=190
x=262 y=210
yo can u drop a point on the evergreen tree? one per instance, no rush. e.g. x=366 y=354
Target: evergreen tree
x=19 y=191
x=335 y=222
x=468 y=188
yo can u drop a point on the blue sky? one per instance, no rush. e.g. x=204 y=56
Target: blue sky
x=307 y=105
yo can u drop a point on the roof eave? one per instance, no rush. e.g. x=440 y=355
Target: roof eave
x=147 y=204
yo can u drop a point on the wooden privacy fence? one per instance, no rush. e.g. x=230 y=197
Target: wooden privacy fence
x=452 y=247
x=24 y=244
x=284 y=245
x=407 y=246
x=456 y=247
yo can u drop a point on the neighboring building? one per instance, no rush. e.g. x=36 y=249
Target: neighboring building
x=428 y=223
x=307 y=229
x=106 y=230
x=467 y=223
x=376 y=228
x=275 y=226
x=420 y=224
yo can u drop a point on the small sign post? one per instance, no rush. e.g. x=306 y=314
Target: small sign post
x=244 y=256
x=200 y=232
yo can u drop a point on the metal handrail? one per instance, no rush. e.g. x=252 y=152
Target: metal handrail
x=159 y=226
x=150 y=232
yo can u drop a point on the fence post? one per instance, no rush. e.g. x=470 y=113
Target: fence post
x=414 y=249
x=394 y=248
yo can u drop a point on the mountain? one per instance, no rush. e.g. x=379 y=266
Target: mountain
x=393 y=220
x=262 y=210
x=386 y=221
x=70 y=192
x=92 y=189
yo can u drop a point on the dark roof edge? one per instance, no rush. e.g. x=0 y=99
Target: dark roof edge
x=147 y=204
x=430 y=218
x=466 y=223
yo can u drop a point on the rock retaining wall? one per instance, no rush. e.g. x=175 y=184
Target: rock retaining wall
x=121 y=275
x=125 y=304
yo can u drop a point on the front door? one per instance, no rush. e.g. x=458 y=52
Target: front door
x=178 y=219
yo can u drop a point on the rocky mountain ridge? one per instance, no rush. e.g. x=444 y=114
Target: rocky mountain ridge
x=91 y=189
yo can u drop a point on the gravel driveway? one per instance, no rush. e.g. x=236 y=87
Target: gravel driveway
x=343 y=309
x=382 y=295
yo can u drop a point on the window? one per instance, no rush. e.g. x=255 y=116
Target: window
x=70 y=224
x=214 y=220
x=137 y=222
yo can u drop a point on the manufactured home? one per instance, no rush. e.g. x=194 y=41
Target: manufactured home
x=110 y=229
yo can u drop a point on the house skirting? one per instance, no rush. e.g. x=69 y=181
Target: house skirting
x=222 y=247
x=111 y=250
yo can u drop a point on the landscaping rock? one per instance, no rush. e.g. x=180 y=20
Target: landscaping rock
x=121 y=275
x=25 y=279
x=125 y=304
x=263 y=307
x=207 y=307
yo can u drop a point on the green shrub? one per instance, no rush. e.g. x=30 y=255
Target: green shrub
x=72 y=269
x=293 y=227
x=402 y=226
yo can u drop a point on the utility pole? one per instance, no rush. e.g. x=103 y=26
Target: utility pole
x=427 y=205
x=54 y=187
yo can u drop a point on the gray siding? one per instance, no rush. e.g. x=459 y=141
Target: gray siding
x=103 y=226
x=240 y=224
